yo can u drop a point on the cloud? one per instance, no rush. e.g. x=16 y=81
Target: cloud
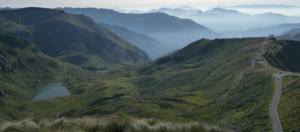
x=138 y=4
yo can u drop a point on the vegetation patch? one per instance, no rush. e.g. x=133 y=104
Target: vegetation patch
x=289 y=106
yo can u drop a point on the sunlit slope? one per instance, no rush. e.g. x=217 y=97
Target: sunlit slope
x=73 y=38
x=285 y=55
x=200 y=82
x=193 y=81
x=289 y=106
x=190 y=85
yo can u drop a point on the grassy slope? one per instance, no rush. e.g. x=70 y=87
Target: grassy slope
x=73 y=38
x=284 y=55
x=188 y=85
x=188 y=80
x=289 y=107
x=23 y=69
x=108 y=124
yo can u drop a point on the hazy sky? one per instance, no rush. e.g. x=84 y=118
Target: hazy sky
x=139 y=4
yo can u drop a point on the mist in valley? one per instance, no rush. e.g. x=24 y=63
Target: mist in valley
x=174 y=28
x=113 y=66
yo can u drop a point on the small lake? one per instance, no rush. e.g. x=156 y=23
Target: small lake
x=50 y=91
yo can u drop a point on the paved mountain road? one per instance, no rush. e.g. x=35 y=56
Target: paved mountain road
x=273 y=108
x=279 y=75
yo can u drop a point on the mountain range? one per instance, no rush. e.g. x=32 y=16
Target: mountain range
x=293 y=34
x=273 y=6
x=222 y=84
x=180 y=87
x=225 y=21
x=72 y=38
x=169 y=30
x=264 y=32
x=152 y=47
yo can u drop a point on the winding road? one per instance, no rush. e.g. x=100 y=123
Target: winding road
x=273 y=109
x=279 y=74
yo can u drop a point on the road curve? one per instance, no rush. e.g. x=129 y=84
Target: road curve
x=273 y=110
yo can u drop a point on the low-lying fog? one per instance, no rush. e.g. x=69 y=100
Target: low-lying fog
x=241 y=21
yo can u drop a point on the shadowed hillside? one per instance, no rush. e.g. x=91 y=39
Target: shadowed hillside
x=284 y=55
x=72 y=38
x=23 y=68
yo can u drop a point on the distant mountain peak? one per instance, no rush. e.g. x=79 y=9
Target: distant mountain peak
x=271 y=14
x=222 y=10
x=269 y=6
x=39 y=10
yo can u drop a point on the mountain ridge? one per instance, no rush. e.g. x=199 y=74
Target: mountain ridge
x=73 y=38
x=222 y=20
x=151 y=46
x=172 y=31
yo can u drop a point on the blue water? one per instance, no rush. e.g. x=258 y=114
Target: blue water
x=50 y=91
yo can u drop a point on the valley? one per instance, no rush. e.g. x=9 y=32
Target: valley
x=148 y=72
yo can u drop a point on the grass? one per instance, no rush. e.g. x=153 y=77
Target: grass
x=107 y=124
x=85 y=43
x=21 y=67
x=175 y=90
x=189 y=89
x=284 y=55
x=289 y=104
x=183 y=87
x=248 y=104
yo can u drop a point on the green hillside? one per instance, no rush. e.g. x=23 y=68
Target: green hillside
x=180 y=87
x=192 y=82
x=201 y=82
x=72 y=38
x=284 y=55
x=169 y=30
x=24 y=69
x=289 y=107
